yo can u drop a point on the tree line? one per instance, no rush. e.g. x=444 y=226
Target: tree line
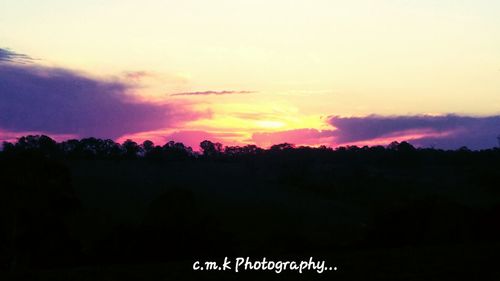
x=95 y=148
x=134 y=203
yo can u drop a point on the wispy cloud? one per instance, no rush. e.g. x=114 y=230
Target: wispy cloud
x=7 y=55
x=136 y=75
x=216 y=93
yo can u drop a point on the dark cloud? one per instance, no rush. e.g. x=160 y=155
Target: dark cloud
x=217 y=93
x=445 y=132
x=60 y=101
x=448 y=131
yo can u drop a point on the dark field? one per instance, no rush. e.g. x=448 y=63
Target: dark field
x=91 y=210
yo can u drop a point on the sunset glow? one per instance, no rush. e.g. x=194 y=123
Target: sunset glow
x=248 y=72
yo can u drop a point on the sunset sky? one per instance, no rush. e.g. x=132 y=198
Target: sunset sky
x=308 y=72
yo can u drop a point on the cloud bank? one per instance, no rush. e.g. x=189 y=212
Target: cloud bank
x=446 y=132
x=62 y=101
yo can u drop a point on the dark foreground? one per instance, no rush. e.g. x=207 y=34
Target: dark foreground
x=96 y=210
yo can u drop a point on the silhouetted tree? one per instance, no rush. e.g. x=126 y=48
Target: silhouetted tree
x=177 y=151
x=147 y=146
x=242 y=150
x=7 y=146
x=39 y=144
x=282 y=146
x=210 y=149
x=131 y=148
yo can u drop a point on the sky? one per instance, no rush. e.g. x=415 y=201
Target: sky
x=309 y=72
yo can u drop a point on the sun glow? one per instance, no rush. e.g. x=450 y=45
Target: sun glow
x=268 y=124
